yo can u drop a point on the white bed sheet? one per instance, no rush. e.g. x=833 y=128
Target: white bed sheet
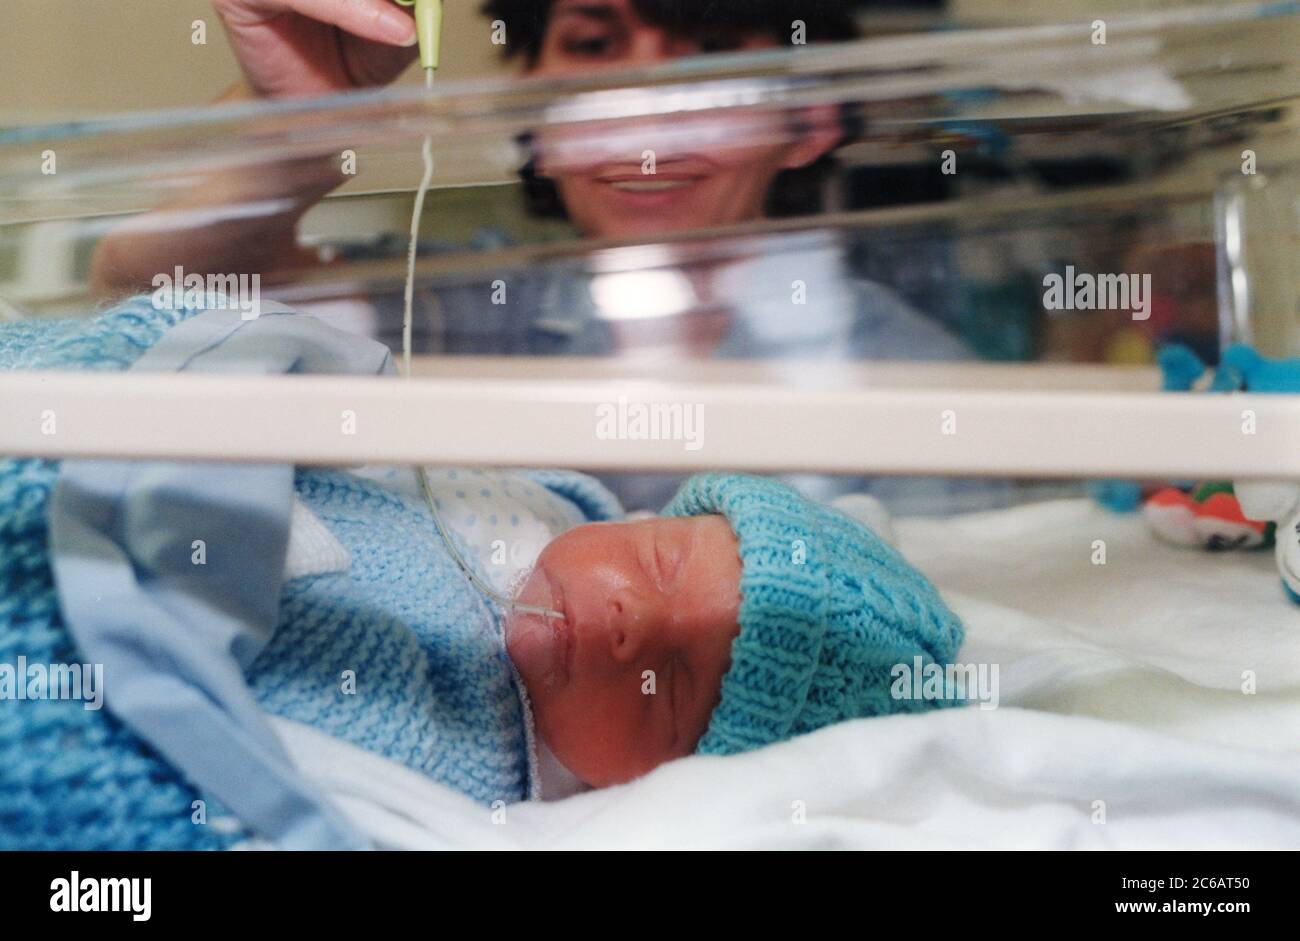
x=1120 y=700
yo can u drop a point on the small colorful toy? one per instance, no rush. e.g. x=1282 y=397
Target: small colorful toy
x=1278 y=501
x=1209 y=517
x=1182 y=371
x=1245 y=514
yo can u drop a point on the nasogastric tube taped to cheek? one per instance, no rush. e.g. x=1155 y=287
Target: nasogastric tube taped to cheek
x=409 y=299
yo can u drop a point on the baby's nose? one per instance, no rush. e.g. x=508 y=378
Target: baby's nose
x=627 y=625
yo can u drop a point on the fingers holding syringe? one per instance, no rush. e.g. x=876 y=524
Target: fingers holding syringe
x=381 y=21
x=298 y=47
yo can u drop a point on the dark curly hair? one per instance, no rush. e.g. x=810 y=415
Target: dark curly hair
x=826 y=20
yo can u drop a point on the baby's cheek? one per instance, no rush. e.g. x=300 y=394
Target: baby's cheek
x=602 y=735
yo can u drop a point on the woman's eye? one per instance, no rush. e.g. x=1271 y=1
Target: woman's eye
x=589 y=46
x=719 y=43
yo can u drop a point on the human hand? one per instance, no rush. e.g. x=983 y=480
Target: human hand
x=314 y=47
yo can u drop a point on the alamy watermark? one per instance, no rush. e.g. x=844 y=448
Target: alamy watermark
x=626 y=420
x=89 y=894
x=1083 y=291
x=945 y=682
x=180 y=291
x=32 y=681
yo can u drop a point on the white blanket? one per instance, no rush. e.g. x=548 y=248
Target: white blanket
x=1122 y=721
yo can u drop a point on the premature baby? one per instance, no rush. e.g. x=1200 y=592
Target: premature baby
x=743 y=616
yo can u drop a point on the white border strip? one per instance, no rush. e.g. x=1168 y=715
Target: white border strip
x=552 y=422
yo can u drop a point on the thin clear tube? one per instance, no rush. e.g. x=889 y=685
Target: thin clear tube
x=407 y=318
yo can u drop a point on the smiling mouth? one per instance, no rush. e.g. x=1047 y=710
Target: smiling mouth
x=649 y=186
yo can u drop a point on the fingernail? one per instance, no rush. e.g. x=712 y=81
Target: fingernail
x=399 y=27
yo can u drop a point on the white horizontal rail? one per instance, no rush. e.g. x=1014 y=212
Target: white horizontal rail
x=800 y=373
x=591 y=424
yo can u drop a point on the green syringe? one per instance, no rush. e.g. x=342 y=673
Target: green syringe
x=428 y=25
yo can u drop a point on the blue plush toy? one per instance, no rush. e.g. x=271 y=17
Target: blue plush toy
x=1181 y=370
x=1278 y=501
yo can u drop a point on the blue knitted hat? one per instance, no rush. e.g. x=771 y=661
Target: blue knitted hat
x=827 y=609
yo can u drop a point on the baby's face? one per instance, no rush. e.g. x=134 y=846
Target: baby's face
x=629 y=678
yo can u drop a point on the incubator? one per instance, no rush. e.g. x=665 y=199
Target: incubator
x=1006 y=212
x=994 y=294
x=924 y=193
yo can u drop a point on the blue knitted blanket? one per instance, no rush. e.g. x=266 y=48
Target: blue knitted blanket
x=398 y=654
x=432 y=685
x=72 y=778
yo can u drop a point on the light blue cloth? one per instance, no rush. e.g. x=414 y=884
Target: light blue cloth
x=175 y=639
x=432 y=686
x=196 y=656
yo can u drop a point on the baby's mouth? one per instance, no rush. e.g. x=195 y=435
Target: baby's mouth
x=541 y=646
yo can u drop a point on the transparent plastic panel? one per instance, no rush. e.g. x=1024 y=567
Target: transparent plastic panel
x=954 y=169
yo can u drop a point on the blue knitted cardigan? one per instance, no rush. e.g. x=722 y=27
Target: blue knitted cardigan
x=434 y=689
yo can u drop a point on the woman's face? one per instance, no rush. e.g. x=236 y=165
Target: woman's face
x=622 y=179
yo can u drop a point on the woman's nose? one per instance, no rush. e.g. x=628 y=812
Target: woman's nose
x=648 y=46
x=628 y=625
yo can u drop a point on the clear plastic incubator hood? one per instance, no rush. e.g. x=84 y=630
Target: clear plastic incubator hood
x=1005 y=225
